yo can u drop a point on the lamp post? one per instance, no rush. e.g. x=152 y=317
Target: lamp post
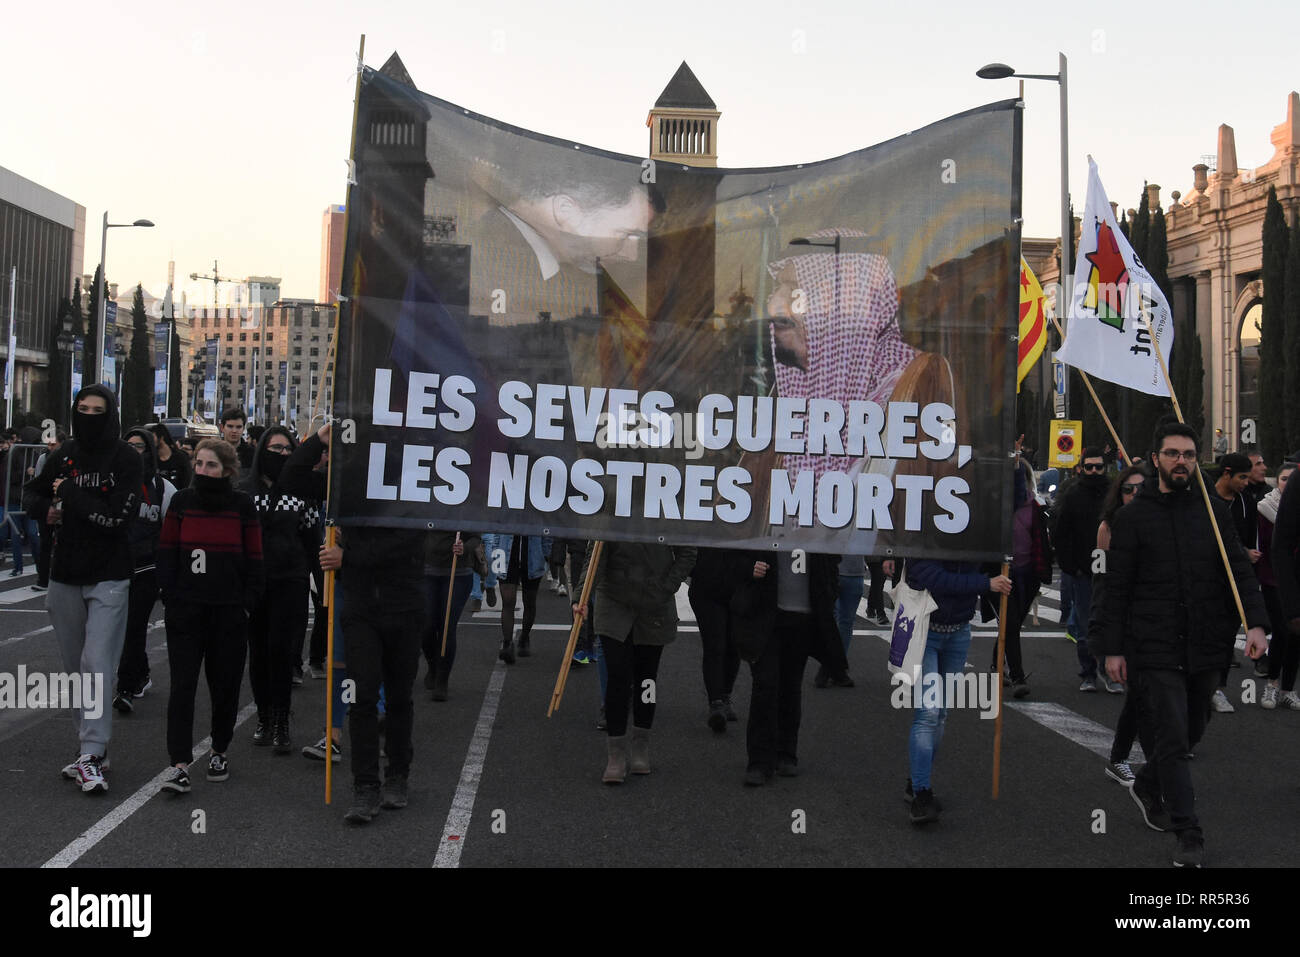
x=100 y=319
x=65 y=342
x=1000 y=71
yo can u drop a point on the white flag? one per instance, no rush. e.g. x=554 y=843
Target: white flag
x=1107 y=336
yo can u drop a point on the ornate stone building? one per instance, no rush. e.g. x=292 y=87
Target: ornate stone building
x=1215 y=257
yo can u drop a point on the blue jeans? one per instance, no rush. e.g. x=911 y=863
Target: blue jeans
x=1080 y=590
x=18 y=524
x=846 y=607
x=945 y=654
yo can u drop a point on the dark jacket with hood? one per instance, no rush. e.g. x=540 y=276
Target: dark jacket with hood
x=98 y=496
x=1167 y=603
x=1074 y=523
x=283 y=514
x=178 y=469
x=155 y=495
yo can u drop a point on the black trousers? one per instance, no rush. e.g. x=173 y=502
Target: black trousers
x=1126 y=728
x=383 y=648
x=47 y=549
x=133 y=667
x=275 y=632
x=776 y=701
x=721 y=661
x=876 y=591
x=628 y=668
x=437 y=588
x=215 y=638
x=1173 y=710
x=320 y=623
x=1024 y=589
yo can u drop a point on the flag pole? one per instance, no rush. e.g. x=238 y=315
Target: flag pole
x=330 y=530
x=1002 y=650
x=1093 y=392
x=1200 y=479
x=578 y=620
x=451 y=588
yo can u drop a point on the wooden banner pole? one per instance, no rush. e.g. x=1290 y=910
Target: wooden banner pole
x=1200 y=479
x=331 y=532
x=1002 y=650
x=451 y=588
x=578 y=620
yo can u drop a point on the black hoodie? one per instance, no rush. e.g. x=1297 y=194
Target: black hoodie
x=155 y=494
x=282 y=515
x=101 y=480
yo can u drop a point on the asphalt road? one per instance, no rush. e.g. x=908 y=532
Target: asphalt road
x=497 y=783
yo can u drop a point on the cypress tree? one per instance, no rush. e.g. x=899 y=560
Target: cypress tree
x=174 y=372
x=1272 y=434
x=137 y=377
x=90 y=371
x=1291 y=342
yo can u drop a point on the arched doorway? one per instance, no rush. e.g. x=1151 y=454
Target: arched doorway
x=1248 y=362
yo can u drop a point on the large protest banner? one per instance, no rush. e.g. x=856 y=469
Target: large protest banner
x=543 y=337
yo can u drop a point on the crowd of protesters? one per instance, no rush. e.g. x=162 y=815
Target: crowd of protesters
x=229 y=535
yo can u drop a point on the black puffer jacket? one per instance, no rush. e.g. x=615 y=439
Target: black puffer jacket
x=1074 y=524
x=1167 y=600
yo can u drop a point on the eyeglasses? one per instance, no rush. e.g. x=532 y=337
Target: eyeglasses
x=280 y=449
x=1129 y=488
x=1092 y=468
x=138 y=446
x=1173 y=455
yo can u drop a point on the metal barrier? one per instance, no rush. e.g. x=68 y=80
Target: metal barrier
x=24 y=458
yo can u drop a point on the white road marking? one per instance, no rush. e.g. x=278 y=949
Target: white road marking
x=114 y=818
x=48 y=628
x=1082 y=731
x=684 y=610
x=456 y=829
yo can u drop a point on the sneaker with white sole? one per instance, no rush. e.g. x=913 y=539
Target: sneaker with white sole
x=218 y=767
x=317 y=751
x=1291 y=701
x=139 y=692
x=1221 y=704
x=1268 y=697
x=72 y=771
x=1122 y=772
x=177 y=780
x=90 y=774
x=1088 y=684
x=1114 y=687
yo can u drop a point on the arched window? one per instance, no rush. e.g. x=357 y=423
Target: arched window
x=1248 y=363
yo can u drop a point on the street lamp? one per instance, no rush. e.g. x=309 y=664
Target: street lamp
x=103 y=311
x=1000 y=71
x=119 y=352
x=65 y=341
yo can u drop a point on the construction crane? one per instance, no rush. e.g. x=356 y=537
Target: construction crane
x=216 y=278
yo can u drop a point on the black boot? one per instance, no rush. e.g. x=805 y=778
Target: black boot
x=280 y=741
x=262 y=736
x=525 y=650
x=507 y=652
x=440 y=685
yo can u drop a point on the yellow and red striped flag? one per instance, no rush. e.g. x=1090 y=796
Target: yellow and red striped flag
x=1033 y=322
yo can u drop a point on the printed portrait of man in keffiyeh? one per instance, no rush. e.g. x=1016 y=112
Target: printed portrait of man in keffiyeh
x=835 y=335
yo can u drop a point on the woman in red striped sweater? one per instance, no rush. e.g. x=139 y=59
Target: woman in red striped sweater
x=210 y=574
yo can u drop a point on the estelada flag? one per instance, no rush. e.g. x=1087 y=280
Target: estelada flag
x=1113 y=298
x=1033 y=322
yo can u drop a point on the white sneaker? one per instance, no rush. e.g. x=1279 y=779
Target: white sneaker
x=72 y=771
x=1291 y=700
x=561 y=590
x=90 y=773
x=1221 y=704
x=1268 y=698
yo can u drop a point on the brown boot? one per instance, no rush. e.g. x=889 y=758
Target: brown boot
x=616 y=769
x=638 y=753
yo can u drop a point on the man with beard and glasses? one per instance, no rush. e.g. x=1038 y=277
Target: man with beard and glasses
x=1169 y=613
x=1074 y=536
x=90 y=487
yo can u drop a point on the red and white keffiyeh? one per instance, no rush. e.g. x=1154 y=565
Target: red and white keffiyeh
x=855 y=349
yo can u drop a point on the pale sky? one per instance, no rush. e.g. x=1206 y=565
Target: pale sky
x=229 y=125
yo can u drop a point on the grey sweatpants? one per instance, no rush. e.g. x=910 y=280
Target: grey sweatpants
x=90 y=625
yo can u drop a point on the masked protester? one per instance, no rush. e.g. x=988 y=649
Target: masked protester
x=155 y=495
x=1075 y=519
x=280 y=618
x=207 y=604
x=91 y=486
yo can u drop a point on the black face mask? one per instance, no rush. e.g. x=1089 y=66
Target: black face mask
x=90 y=430
x=273 y=465
x=212 y=489
x=1095 y=478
